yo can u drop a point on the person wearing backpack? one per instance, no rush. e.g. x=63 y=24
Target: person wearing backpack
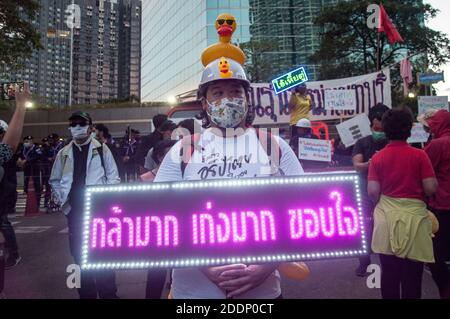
x=229 y=147
x=83 y=162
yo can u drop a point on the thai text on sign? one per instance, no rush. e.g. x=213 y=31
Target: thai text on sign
x=314 y=150
x=289 y=80
x=219 y=222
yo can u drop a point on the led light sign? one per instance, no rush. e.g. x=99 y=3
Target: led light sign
x=289 y=80
x=190 y=224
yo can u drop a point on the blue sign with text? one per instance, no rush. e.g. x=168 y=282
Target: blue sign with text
x=289 y=80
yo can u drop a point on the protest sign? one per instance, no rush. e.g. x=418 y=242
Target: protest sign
x=314 y=150
x=352 y=130
x=272 y=109
x=204 y=223
x=432 y=102
x=340 y=100
x=418 y=134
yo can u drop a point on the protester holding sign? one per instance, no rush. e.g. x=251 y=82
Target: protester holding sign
x=363 y=152
x=300 y=104
x=439 y=153
x=400 y=177
x=228 y=148
x=84 y=161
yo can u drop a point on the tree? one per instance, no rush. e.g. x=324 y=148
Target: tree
x=18 y=37
x=348 y=47
x=258 y=66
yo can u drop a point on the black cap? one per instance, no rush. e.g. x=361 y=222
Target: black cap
x=45 y=139
x=29 y=137
x=53 y=136
x=82 y=115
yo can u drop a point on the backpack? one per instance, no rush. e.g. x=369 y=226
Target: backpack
x=102 y=159
x=191 y=143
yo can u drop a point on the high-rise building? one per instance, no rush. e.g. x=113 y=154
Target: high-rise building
x=105 y=53
x=174 y=34
x=130 y=49
x=47 y=70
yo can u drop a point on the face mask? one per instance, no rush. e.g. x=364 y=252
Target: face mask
x=94 y=135
x=79 y=132
x=28 y=144
x=227 y=113
x=378 y=136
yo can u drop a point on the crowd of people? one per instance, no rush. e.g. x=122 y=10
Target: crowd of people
x=406 y=190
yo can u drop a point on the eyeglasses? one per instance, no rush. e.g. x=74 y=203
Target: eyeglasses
x=222 y=21
x=82 y=124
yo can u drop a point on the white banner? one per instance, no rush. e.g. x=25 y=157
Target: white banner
x=370 y=89
x=314 y=150
x=352 y=130
x=432 y=102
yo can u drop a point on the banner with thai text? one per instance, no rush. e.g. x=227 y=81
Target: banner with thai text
x=370 y=89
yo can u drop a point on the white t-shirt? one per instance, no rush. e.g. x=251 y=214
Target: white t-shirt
x=221 y=158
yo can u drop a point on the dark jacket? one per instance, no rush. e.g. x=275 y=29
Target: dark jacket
x=147 y=143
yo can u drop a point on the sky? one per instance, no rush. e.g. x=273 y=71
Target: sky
x=442 y=23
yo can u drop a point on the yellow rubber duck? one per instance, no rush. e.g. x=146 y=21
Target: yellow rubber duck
x=224 y=69
x=225 y=26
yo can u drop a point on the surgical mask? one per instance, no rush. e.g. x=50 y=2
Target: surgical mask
x=28 y=144
x=79 y=132
x=94 y=135
x=378 y=136
x=227 y=113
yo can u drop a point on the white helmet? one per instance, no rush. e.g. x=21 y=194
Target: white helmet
x=3 y=125
x=222 y=69
x=304 y=123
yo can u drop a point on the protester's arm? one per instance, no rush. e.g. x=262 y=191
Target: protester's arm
x=359 y=165
x=374 y=191
x=292 y=102
x=170 y=169
x=15 y=127
x=112 y=173
x=429 y=181
x=242 y=280
x=374 y=185
x=289 y=163
x=56 y=176
x=430 y=186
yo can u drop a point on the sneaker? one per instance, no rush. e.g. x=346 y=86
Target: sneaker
x=361 y=271
x=12 y=262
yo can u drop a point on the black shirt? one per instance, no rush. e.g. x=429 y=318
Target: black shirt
x=147 y=143
x=79 y=175
x=368 y=148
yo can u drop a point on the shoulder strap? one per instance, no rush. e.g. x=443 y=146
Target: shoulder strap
x=102 y=159
x=188 y=146
x=266 y=139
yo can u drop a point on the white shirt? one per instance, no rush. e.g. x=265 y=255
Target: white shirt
x=221 y=158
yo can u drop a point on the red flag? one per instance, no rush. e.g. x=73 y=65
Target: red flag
x=388 y=27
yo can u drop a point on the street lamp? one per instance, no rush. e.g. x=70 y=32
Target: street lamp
x=172 y=100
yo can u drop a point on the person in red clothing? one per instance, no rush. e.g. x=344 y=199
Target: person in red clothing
x=400 y=178
x=439 y=153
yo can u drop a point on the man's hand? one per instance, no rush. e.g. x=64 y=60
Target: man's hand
x=245 y=279
x=23 y=97
x=215 y=274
